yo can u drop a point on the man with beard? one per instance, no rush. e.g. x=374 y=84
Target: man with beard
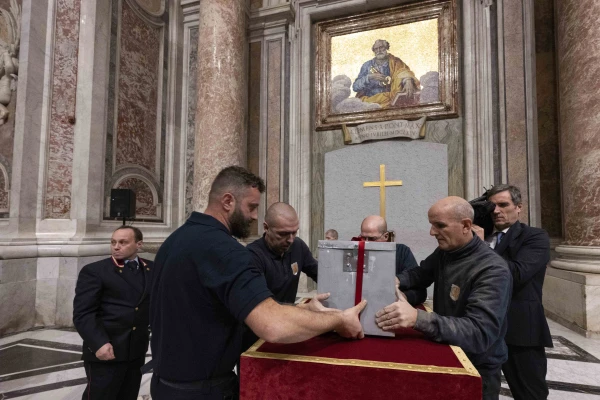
x=206 y=287
x=381 y=79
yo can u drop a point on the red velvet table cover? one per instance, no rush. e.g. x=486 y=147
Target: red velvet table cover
x=330 y=367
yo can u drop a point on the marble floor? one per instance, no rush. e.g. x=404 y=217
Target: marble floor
x=44 y=364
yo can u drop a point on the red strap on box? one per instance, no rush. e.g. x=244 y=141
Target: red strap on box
x=360 y=262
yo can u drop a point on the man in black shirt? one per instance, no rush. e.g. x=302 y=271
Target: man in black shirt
x=205 y=288
x=280 y=255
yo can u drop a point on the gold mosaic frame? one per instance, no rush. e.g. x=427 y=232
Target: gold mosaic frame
x=446 y=107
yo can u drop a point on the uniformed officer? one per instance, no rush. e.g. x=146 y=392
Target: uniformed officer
x=205 y=289
x=111 y=314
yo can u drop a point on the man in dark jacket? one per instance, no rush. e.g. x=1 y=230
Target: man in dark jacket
x=280 y=255
x=527 y=252
x=471 y=293
x=111 y=314
x=374 y=229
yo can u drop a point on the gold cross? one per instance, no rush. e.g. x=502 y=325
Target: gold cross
x=382 y=183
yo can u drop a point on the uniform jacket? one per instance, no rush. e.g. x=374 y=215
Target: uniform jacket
x=108 y=308
x=470 y=302
x=527 y=252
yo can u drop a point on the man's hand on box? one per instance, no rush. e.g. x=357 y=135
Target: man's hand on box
x=350 y=326
x=315 y=304
x=397 y=315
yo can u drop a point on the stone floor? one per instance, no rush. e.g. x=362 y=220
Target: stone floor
x=44 y=364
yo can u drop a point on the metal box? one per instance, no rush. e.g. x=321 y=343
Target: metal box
x=337 y=275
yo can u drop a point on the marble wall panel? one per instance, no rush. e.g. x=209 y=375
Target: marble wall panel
x=18 y=270
x=48 y=268
x=7 y=131
x=274 y=62
x=45 y=302
x=514 y=82
x=138 y=84
x=192 y=100
x=4 y=192
x=146 y=202
x=565 y=299
x=254 y=89
x=68 y=267
x=57 y=203
x=448 y=132
x=547 y=117
x=17 y=306
x=65 y=293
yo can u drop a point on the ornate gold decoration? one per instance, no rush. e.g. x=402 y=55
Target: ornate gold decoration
x=406 y=28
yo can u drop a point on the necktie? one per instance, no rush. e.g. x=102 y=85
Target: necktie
x=133 y=265
x=499 y=237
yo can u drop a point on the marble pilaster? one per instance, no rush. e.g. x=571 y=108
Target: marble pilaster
x=222 y=93
x=578 y=54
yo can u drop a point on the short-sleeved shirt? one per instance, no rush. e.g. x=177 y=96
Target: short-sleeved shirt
x=204 y=288
x=283 y=271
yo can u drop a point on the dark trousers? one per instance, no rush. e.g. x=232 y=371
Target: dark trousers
x=113 y=381
x=226 y=388
x=490 y=385
x=525 y=372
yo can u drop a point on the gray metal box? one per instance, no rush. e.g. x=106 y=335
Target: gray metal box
x=337 y=275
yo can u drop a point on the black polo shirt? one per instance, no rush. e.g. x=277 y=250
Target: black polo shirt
x=204 y=287
x=283 y=272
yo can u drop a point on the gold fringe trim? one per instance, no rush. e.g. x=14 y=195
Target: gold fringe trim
x=252 y=352
x=460 y=354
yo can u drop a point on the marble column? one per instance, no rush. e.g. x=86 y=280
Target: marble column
x=222 y=93
x=576 y=270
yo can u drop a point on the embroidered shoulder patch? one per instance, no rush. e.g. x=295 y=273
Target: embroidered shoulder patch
x=454 y=292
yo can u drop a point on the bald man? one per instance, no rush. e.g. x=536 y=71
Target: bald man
x=472 y=291
x=374 y=229
x=280 y=255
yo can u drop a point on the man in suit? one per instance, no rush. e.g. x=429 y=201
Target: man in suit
x=111 y=314
x=526 y=251
x=374 y=229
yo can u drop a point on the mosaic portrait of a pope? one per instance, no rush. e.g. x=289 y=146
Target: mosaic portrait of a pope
x=386 y=80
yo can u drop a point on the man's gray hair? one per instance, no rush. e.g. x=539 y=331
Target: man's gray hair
x=385 y=42
x=515 y=193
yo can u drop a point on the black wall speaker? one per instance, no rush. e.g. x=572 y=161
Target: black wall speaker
x=122 y=203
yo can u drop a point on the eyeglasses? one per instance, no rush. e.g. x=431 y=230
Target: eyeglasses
x=371 y=238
